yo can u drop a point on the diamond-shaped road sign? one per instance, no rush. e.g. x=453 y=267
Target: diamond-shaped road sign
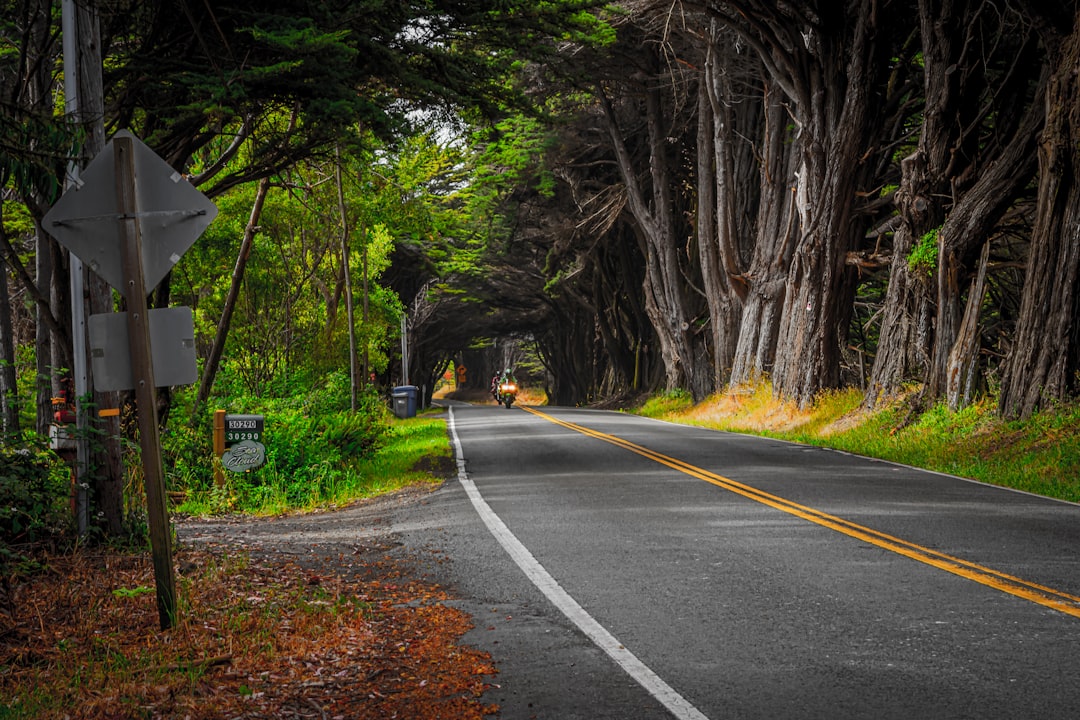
x=172 y=215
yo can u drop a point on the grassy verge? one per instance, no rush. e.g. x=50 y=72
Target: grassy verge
x=1040 y=455
x=416 y=451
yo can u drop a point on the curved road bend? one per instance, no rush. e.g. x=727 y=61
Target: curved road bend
x=619 y=567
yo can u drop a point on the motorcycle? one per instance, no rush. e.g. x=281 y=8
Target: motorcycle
x=507 y=393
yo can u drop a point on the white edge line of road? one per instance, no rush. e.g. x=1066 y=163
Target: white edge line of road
x=679 y=706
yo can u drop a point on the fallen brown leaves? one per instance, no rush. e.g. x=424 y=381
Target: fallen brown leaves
x=255 y=639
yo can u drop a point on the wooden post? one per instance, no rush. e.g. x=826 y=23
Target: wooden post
x=219 y=445
x=142 y=371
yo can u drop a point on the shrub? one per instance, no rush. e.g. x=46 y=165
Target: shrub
x=34 y=491
x=314 y=445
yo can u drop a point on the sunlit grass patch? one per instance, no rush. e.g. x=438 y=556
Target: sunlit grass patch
x=664 y=404
x=528 y=395
x=1039 y=455
x=410 y=457
x=754 y=408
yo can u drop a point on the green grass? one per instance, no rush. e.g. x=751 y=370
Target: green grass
x=406 y=460
x=1040 y=455
x=664 y=404
x=409 y=456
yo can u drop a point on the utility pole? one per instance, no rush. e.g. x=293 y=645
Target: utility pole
x=69 y=28
x=405 y=348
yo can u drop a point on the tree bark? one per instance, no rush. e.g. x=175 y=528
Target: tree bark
x=905 y=339
x=723 y=317
x=9 y=390
x=963 y=358
x=833 y=108
x=664 y=287
x=49 y=344
x=972 y=218
x=729 y=195
x=959 y=181
x=773 y=246
x=1043 y=362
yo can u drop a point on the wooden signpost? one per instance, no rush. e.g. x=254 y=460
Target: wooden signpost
x=143 y=374
x=130 y=221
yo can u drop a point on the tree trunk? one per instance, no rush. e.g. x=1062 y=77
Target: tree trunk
x=956 y=183
x=903 y=350
x=355 y=382
x=9 y=390
x=665 y=299
x=905 y=339
x=728 y=197
x=773 y=245
x=722 y=317
x=46 y=341
x=971 y=220
x=964 y=356
x=213 y=362
x=833 y=107
x=1043 y=363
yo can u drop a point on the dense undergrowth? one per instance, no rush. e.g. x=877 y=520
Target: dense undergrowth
x=1039 y=455
x=318 y=451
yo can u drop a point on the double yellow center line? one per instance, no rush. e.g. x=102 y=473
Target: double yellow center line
x=1045 y=596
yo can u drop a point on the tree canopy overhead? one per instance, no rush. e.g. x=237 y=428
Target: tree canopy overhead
x=184 y=74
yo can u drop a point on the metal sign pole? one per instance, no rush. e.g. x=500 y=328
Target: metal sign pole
x=78 y=304
x=143 y=374
x=404 y=349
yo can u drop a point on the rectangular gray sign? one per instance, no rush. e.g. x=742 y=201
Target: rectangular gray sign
x=172 y=349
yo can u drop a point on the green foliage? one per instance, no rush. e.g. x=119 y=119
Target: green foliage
x=359 y=434
x=34 y=150
x=187 y=444
x=924 y=256
x=17 y=220
x=34 y=487
x=315 y=447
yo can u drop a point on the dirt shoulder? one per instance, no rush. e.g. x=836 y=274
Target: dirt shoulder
x=308 y=615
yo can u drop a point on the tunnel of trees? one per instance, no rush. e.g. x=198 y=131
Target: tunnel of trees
x=638 y=196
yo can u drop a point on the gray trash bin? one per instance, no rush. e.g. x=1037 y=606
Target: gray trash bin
x=404 y=397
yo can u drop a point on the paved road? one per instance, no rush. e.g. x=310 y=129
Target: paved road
x=689 y=573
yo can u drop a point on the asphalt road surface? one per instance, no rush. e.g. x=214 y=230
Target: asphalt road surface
x=620 y=567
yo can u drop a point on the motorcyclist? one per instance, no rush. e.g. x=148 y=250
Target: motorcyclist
x=506 y=377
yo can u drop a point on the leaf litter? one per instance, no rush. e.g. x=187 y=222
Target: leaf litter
x=259 y=635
